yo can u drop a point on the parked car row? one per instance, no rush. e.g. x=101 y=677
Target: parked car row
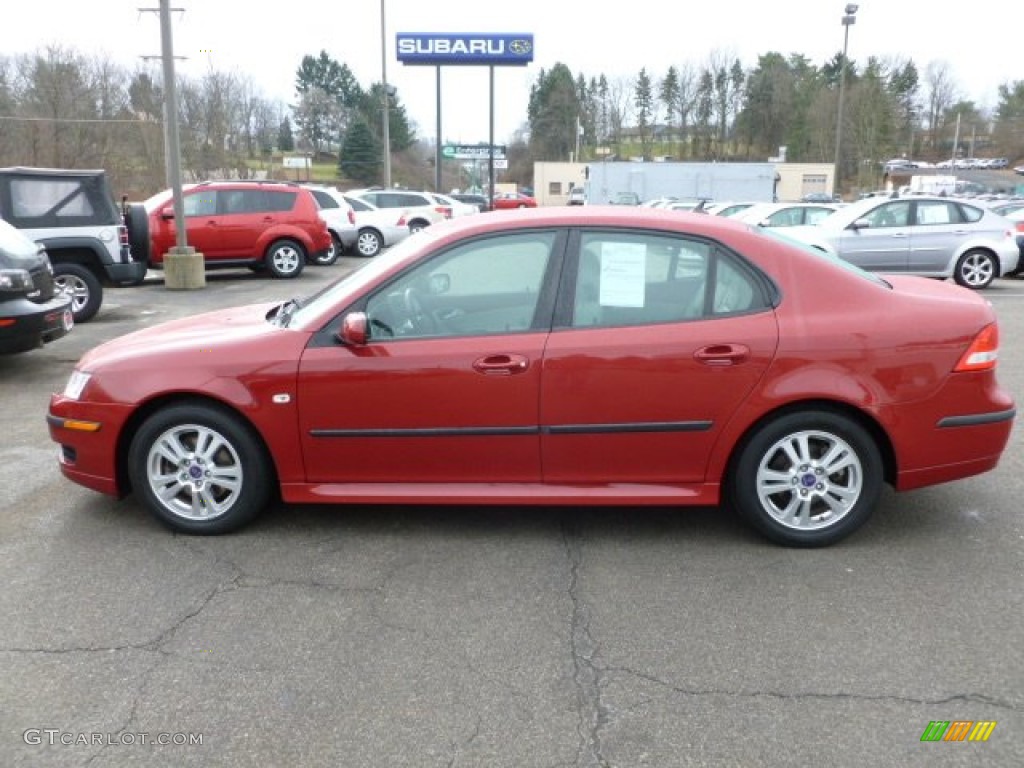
x=934 y=236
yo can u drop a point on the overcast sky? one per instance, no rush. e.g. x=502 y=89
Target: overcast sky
x=979 y=40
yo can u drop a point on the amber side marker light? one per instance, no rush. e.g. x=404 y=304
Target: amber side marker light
x=983 y=352
x=80 y=426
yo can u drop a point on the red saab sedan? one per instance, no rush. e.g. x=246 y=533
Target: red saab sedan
x=577 y=356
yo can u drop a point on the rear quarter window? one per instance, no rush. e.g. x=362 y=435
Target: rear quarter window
x=970 y=213
x=279 y=201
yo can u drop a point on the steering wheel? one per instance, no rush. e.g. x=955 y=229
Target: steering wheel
x=421 y=321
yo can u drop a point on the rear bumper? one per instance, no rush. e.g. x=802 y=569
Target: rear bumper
x=131 y=272
x=962 y=432
x=25 y=325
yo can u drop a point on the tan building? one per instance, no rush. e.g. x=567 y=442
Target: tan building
x=552 y=181
x=799 y=179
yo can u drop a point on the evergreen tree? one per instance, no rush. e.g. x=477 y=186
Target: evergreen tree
x=552 y=113
x=668 y=94
x=285 y=138
x=361 y=154
x=643 y=100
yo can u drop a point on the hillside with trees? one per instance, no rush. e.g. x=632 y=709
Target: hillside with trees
x=63 y=108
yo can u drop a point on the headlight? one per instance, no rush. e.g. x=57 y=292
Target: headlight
x=75 y=385
x=16 y=280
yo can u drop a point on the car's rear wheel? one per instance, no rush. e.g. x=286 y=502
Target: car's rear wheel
x=285 y=258
x=82 y=286
x=331 y=255
x=199 y=469
x=807 y=479
x=976 y=269
x=369 y=243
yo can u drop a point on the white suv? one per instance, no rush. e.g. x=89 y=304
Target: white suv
x=421 y=210
x=340 y=219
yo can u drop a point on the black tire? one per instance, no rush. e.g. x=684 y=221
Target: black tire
x=82 y=285
x=136 y=220
x=285 y=258
x=233 y=452
x=830 y=501
x=369 y=243
x=332 y=255
x=418 y=224
x=976 y=269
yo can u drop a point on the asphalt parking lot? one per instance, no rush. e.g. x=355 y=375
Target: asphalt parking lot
x=409 y=636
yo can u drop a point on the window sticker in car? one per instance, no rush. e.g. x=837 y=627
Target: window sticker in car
x=623 y=277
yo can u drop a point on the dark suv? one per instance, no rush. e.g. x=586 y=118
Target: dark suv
x=73 y=214
x=271 y=225
x=32 y=312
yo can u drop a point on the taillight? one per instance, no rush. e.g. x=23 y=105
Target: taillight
x=351 y=216
x=123 y=235
x=444 y=211
x=983 y=352
x=402 y=221
x=1020 y=225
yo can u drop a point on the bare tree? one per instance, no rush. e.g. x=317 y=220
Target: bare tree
x=940 y=93
x=688 y=78
x=620 y=100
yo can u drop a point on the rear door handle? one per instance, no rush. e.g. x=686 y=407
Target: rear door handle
x=501 y=365
x=722 y=354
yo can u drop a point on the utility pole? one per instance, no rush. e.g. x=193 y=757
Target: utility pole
x=849 y=17
x=385 y=97
x=183 y=267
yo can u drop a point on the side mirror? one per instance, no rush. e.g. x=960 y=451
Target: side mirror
x=861 y=224
x=764 y=223
x=354 y=329
x=167 y=213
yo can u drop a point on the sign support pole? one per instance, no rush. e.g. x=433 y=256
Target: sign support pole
x=437 y=149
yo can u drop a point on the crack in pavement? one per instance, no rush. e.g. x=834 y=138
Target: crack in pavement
x=456 y=747
x=586 y=673
x=968 y=698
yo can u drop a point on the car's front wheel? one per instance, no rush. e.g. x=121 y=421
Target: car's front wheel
x=285 y=258
x=807 y=479
x=417 y=224
x=84 y=288
x=199 y=469
x=976 y=269
x=369 y=243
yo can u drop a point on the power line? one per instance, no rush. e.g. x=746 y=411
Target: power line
x=14 y=118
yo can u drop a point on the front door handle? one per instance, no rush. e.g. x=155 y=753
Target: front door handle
x=501 y=365
x=722 y=354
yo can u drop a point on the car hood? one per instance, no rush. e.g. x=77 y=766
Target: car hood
x=185 y=341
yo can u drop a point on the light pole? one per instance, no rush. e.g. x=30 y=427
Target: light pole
x=385 y=97
x=849 y=17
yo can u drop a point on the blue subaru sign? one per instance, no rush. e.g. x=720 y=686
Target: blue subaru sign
x=507 y=50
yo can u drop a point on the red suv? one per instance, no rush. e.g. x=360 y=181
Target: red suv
x=264 y=224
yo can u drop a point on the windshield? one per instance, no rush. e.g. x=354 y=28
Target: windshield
x=334 y=294
x=779 y=233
